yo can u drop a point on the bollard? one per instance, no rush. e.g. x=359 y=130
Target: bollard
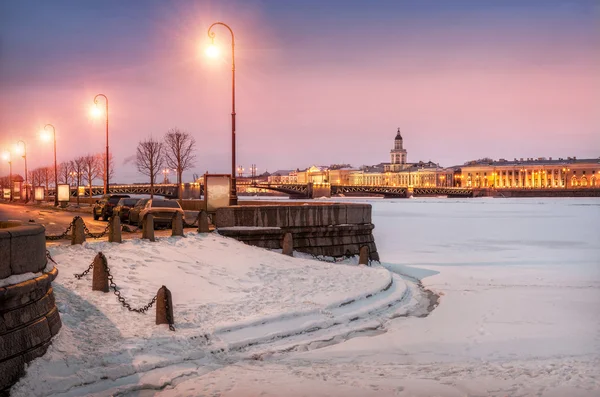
x=78 y=233
x=100 y=275
x=363 y=258
x=148 y=227
x=164 y=307
x=114 y=230
x=177 y=225
x=287 y=244
x=203 y=222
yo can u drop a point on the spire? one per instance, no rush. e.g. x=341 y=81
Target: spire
x=398 y=136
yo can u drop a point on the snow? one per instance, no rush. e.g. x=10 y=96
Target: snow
x=19 y=278
x=518 y=283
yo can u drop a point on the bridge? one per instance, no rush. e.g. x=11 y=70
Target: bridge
x=311 y=190
x=161 y=189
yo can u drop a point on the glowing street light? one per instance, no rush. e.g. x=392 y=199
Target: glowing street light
x=212 y=52
x=96 y=112
x=45 y=135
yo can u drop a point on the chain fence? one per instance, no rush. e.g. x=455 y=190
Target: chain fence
x=122 y=299
x=88 y=233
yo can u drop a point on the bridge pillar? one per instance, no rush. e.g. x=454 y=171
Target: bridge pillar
x=318 y=190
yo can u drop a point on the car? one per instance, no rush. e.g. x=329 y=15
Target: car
x=104 y=207
x=162 y=211
x=123 y=207
x=134 y=213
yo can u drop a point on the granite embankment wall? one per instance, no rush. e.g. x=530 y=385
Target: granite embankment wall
x=320 y=229
x=28 y=315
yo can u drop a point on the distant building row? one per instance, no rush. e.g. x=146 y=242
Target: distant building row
x=522 y=173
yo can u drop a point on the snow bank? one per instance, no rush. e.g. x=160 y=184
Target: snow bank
x=223 y=293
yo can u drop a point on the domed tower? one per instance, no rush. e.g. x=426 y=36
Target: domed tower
x=398 y=153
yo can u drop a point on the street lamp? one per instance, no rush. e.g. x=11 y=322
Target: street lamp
x=212 y=52
x=165 y=173
x=6 y=157
x=46 y=136
x=25 y=158
x=240 y=171
x=96 y=113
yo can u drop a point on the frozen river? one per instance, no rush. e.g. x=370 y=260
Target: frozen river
x=519 y=313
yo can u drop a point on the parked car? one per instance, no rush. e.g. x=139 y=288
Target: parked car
x=162 y=211
x=123 y=207
x=134 y=213
x=104 y=207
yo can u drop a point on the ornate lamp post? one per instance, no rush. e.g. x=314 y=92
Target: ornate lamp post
x=6 y=157
x=25 y=158
x=46 y=137
x=212 y=51
x=96 y=112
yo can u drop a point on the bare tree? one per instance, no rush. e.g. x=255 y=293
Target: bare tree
x=149 y=160
x=179 y=153
x=64 y=173
x=102 y=165
x=48 y=177
x=91 y=170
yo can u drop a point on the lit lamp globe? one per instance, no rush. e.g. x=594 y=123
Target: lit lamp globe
x=6 y=156
x=95 y=111
x=45 y=136
x=212 y=51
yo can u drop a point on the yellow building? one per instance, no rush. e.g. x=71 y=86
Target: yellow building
x=539 y=173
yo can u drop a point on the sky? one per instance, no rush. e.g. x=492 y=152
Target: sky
x=317 y=82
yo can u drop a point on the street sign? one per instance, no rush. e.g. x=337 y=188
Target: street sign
x=64 y=192
x=39 y=193
x=217 y=188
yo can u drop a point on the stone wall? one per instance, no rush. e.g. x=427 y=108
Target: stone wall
x=319 y=229
x=28 y=315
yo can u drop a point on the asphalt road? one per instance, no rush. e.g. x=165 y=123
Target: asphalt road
x=54 y=220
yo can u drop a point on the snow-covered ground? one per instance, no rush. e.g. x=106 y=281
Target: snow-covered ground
x=519 y=286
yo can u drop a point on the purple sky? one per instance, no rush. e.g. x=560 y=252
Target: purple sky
x=316 y=83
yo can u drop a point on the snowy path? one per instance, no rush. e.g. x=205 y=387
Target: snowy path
x=231 y=302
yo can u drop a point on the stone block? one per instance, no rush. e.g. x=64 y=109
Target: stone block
x=24 y=338
x=287 y=244
x=5 y=269
x=100 y=275
x=17 y=317
x=78 y=232
x=114 y=231
x=203 y=223
x=54 y=322
x=363 y=258
x=27 y=249
x=148 y=227
x=358 y=213
x=224 y=217
x=177 y=225
x=164 y=306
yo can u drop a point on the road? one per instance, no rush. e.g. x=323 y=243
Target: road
x=54 y=220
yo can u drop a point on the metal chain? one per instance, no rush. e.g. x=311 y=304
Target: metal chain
x=95 y=235
x=79 y=276
x=167 y=309
x=61 y=236
x=50 y=257
x=193 y=224
x=112 y=284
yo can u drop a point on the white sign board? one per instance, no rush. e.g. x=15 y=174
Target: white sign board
x=217 y=189
x=39 y=193
x=64 y=193
x=6 y=193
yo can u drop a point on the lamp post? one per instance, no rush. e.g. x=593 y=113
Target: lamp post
x=212 y=51
x=25 y=158
x=107 y=165
x=55 y=168
x=6 y=156
x=165 y=178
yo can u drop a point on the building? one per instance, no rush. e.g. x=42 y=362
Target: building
x=397 y=154
x=539 y=173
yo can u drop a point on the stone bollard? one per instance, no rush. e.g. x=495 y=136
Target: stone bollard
x=148 y=227
x=114 y=230
x=203 y=222
x=363 y=258
x=78 y=233
x=177 y=225
x=164 y=307
x=100 y=275
x=288 y=244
